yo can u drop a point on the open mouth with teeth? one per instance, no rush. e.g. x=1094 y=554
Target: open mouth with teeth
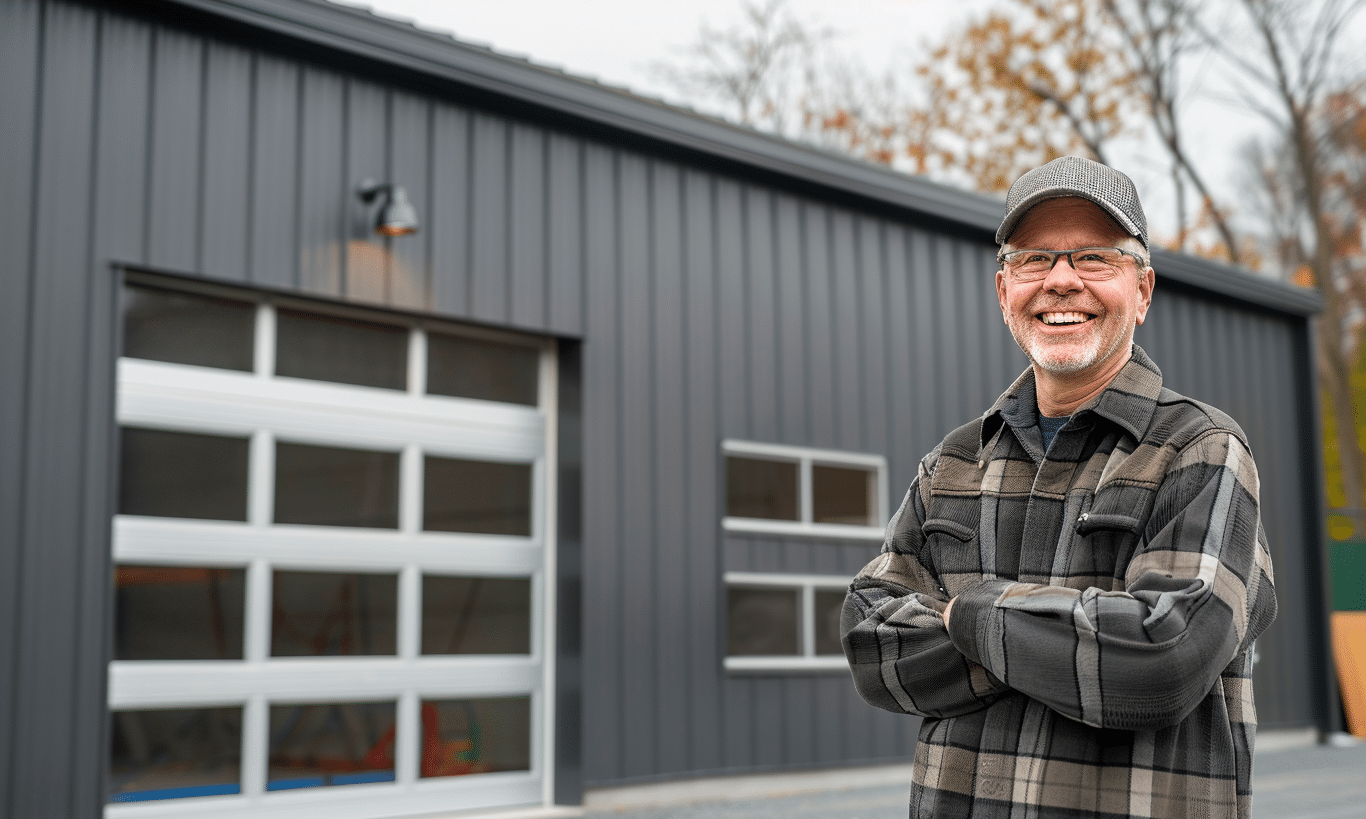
x=1064 y=319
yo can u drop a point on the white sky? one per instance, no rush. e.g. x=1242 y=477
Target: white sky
x=616 y=42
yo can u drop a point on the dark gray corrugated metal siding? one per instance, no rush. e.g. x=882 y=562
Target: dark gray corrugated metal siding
x=709 y=307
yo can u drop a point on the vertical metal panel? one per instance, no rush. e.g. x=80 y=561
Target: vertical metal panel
x=173 y=149
x=791 y=310
x=323 y=197
x=409 y=157
x=820 y=346
x=20 y=37
x=564 y=235
x=489 y=218
x=527 y=230
x=844 y=307
x=873 y=338
x=367 y=129
x=228 y=137
x=274 y=205
x=701 y=464
x=57 y=550
x=638 y=501
x=603 y=726
x=124 y=84
x=760 y=346
x=672 y=580
x=448 y=223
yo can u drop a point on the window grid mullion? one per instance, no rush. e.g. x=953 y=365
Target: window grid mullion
x=804 y=489
x=264 y=342
x=255 y=745
x=807 y=603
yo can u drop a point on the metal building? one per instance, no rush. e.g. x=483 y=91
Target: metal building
x=557 y=493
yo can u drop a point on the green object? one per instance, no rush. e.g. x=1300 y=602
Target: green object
x=1347 y=566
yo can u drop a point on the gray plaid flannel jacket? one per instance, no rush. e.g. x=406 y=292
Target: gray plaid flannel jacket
x=1098 y=662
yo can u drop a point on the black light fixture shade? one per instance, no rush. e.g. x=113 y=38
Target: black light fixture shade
x=397 y=216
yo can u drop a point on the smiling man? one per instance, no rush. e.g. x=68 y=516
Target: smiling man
x=1070 y=591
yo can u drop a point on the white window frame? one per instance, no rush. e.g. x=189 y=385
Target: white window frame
x=162 y=395
x=805 y=457
x=806 y=586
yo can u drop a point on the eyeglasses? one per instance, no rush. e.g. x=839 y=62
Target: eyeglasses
x=1091 y=263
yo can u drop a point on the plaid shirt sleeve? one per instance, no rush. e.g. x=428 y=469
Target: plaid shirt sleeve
x=1197 y=592
x=893 y=628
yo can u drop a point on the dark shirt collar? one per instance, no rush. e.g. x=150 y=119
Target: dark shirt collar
x=1129 y=401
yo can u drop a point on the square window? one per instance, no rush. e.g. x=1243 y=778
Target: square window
x=763 y=622
x=828 y=605
x=841 y=494
x=759 y=488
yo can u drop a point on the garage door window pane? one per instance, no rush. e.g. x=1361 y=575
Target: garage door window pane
x=488 y=370
x=757 y=488
x=182 y=475
x=763 y=622
x=324 y=744
x=476 y=736
x=175 y=754
x=332 y=486
x=476 y=496
x=476 y=615
x=348 y=351
x=330 y=614
x=178 y=613
x=828 y=606
x=185 y=328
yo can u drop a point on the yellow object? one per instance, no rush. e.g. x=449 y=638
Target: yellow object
x=1349 y=649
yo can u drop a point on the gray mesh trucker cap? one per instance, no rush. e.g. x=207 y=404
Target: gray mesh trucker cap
x=1076 y=176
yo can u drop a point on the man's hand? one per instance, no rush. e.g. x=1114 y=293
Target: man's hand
x=948 y=609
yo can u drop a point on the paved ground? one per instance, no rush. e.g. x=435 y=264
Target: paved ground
x=1316 y=782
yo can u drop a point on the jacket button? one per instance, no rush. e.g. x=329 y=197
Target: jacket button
x=1084 y=516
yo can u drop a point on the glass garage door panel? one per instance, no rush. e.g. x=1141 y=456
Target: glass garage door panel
x=762 y=621
x=335 y=576
x=325 y=744
x=343 y=350
x=186 y=328
x=182 y=474
x=335 y=486
x=331 y=614
x=473 y=736
x=479 y=497
x=178 y=613
x=476 y=615
x=475 y=368
x=174 y=753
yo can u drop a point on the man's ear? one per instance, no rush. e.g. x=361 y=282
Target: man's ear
x=1001 y=295
x=1146 y=283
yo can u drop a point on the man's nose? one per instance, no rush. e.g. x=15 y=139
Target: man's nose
x=1062 y=278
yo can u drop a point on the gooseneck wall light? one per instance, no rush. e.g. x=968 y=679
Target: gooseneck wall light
x=396 y=216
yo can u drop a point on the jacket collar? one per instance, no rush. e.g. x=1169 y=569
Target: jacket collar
x=1129 y=401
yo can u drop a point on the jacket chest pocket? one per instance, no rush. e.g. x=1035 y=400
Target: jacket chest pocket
x=951 y=553
x=1103 y=542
